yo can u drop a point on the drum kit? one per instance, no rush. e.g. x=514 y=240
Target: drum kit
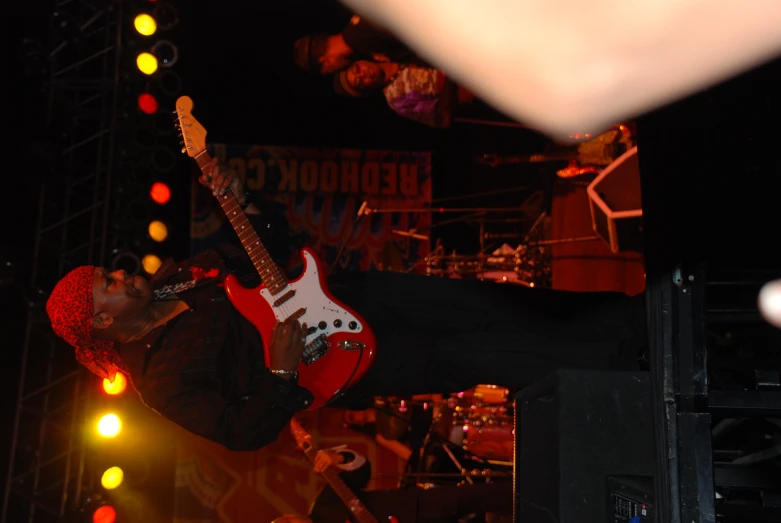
x=472 y=434
x=527 y=265
x=482 y=423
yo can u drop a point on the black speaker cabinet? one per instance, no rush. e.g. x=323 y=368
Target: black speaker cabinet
x=579 y=433
x=616 y=205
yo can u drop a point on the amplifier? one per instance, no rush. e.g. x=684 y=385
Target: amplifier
x=630 y=499
x=577 y=433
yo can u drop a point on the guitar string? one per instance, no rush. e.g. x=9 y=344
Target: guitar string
x=284 y=308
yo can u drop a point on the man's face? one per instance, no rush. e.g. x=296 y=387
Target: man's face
x=364 y=74
x=118 y=294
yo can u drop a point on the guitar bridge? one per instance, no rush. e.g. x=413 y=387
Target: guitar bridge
x=315 y=349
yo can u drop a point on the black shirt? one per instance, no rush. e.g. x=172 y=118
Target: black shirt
x=204 y=370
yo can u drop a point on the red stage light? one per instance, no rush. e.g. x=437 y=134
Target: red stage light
x=147 y=103
x=160 y=193
x=104 y=514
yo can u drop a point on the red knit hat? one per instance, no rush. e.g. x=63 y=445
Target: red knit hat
x=70 y=309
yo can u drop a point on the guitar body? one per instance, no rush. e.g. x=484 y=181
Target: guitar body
x=340 y=346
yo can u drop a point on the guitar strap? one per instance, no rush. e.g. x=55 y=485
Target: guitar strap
x=169 y=290
x=199 y=276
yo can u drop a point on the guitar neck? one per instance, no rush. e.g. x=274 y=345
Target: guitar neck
x=271 y=274
x=345 y=493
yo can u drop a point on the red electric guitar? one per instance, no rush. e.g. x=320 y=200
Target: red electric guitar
x=340 y=345
x=359 y=511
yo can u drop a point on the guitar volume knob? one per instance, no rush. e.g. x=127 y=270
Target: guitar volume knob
x=337 y=323
x=352 y=325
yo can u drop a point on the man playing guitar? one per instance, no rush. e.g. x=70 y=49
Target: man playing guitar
x=187 y=347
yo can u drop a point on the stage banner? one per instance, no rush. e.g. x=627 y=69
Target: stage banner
x=319 y=193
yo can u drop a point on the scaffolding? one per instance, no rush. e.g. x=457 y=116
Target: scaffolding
x=46 y=474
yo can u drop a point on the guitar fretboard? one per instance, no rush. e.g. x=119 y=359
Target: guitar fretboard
x=271 y=274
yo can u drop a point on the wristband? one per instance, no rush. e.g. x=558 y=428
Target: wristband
x=280 y=372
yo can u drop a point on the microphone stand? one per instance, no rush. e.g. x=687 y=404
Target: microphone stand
x=362 y=210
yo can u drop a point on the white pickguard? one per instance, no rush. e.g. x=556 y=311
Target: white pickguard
x=319 y=308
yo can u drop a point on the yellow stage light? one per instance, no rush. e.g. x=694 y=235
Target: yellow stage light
x=158 y=231
x=145 y=24
x=109 y=426
x=117 y=387
x=146 y=62
x=151 y=263
x=112 y=478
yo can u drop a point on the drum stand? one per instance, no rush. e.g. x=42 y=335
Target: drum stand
x=465 y=473
x=458 y=464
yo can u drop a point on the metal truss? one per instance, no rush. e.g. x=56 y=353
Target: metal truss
x=46 y=474
x=714 y=361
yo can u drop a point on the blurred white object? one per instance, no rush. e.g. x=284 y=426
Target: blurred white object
x=570 y=66
x=770 y=302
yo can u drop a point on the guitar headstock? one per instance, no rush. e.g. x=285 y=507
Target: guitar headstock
x=192 y=135
x=302 y=437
